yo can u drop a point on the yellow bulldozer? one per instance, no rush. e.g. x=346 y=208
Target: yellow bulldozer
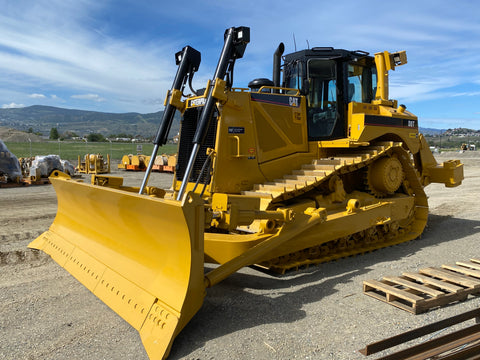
x=93 y=164
x=314 y=165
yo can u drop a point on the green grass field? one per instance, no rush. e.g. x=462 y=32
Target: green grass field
x=70 y=150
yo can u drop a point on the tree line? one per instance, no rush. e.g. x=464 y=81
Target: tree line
x=94 y=137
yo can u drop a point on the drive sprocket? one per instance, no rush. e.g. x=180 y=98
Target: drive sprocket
x=385 y=176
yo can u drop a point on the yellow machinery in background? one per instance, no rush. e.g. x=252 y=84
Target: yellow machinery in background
x=134 y=162
x=25 y=164
x=165 y=163
x=313 y=166
x=138 y=162
x=93 y=164
x=126 y=160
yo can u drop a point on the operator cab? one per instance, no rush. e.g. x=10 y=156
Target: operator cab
x=330 y=79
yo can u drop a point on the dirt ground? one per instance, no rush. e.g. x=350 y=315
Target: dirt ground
x=316 y=313
x=8 y=134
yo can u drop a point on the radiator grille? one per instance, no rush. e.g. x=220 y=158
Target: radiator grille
x=188 y=127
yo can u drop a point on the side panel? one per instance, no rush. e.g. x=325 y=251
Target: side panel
x=236 y=153
x=280 y=124
x=260 y=136
x=367 y=122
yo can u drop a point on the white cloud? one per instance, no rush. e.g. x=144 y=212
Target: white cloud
x=76 y=47
x=37 y=96
x=12 y=105
x=419 y=88
x=91 y=97
x=67 y=52
x=472 y=93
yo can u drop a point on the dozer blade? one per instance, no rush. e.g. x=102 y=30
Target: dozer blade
x=142 y=256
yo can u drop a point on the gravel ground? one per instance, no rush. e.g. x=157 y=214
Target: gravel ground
x=316 y=313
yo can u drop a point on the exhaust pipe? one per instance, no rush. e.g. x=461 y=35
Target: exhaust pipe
x=277 y=56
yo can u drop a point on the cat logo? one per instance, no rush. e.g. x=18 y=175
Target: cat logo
x=293 y=101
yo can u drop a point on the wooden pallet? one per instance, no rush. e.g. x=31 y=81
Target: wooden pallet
x=11 y=184
x=429 y=288
x=25 y=182
x=40 y=181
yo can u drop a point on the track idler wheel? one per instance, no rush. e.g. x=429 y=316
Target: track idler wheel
x=385 y=176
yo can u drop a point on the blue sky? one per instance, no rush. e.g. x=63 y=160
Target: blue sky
x=118 y=56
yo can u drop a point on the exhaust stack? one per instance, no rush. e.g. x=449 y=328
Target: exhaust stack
x=277 y=56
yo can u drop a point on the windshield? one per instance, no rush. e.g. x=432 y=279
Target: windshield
x=322 y=97
x=362 y=82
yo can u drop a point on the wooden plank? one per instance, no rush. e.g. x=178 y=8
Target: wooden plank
x=414 y=286
x=468 y=264
x=412 y=308
x=454 y=345
x=475 y=261
x=463 y=270
x=451 y=276
x=442 y=300
x=418 y=332
x=438 y=283
x=390 y=290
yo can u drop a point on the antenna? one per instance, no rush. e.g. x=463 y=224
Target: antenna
x=308 y=45
x=294 y=42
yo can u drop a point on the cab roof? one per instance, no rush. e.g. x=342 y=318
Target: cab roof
x=326 y=53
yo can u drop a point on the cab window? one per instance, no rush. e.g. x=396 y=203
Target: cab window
x=293 y=77
x=362 y=82
x=322 y=98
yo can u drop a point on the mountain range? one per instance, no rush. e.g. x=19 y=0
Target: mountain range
x=41 y=119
